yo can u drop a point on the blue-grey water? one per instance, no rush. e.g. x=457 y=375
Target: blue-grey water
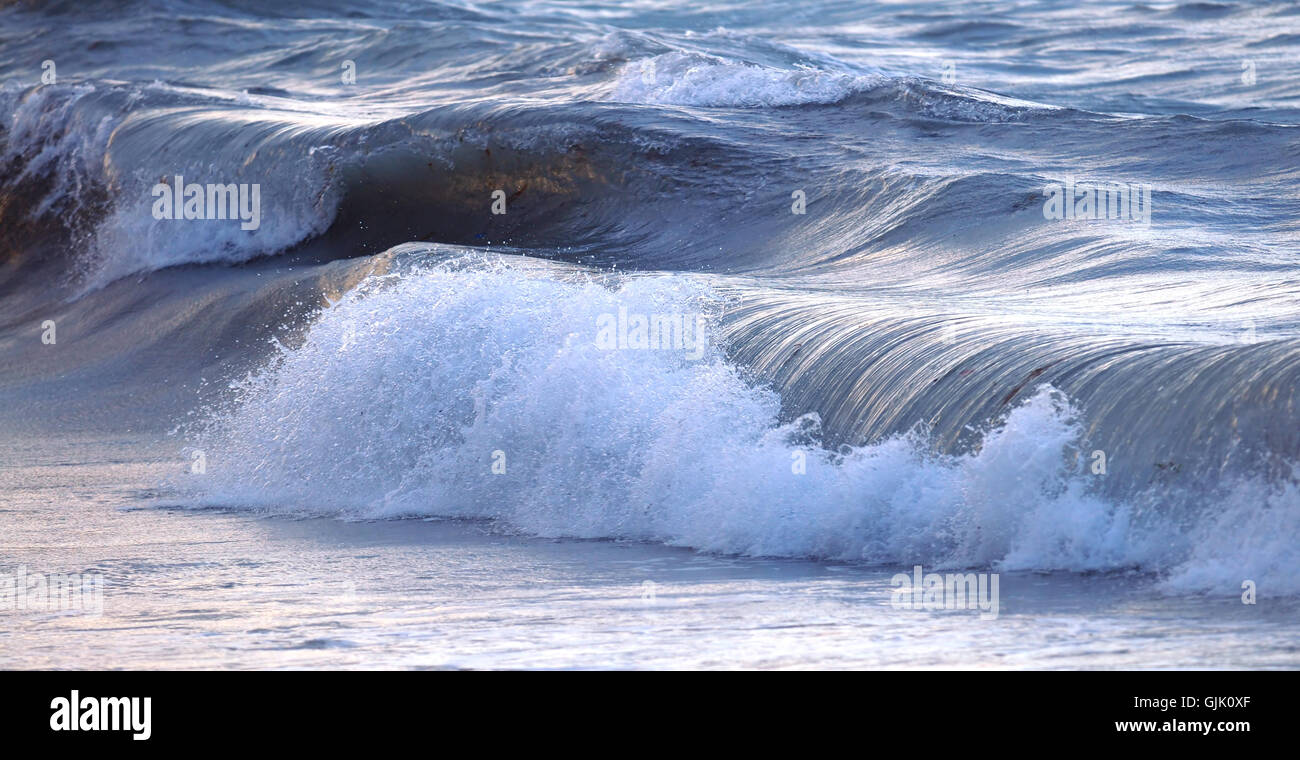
x=380 y=427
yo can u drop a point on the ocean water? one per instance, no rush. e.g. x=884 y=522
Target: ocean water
x=395 y=412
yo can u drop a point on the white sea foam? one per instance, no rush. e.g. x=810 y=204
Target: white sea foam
x=130 y=239
x=697 y=79
x=401 y=393
x=45 y=127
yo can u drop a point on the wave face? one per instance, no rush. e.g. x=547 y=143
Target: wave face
x=858 y=212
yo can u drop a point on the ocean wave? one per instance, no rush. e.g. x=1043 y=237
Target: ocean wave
x=406 y=392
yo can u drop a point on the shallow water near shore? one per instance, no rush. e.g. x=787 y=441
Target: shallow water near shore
x=200 y=589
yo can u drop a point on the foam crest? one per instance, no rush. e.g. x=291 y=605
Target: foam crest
x=698 y=79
